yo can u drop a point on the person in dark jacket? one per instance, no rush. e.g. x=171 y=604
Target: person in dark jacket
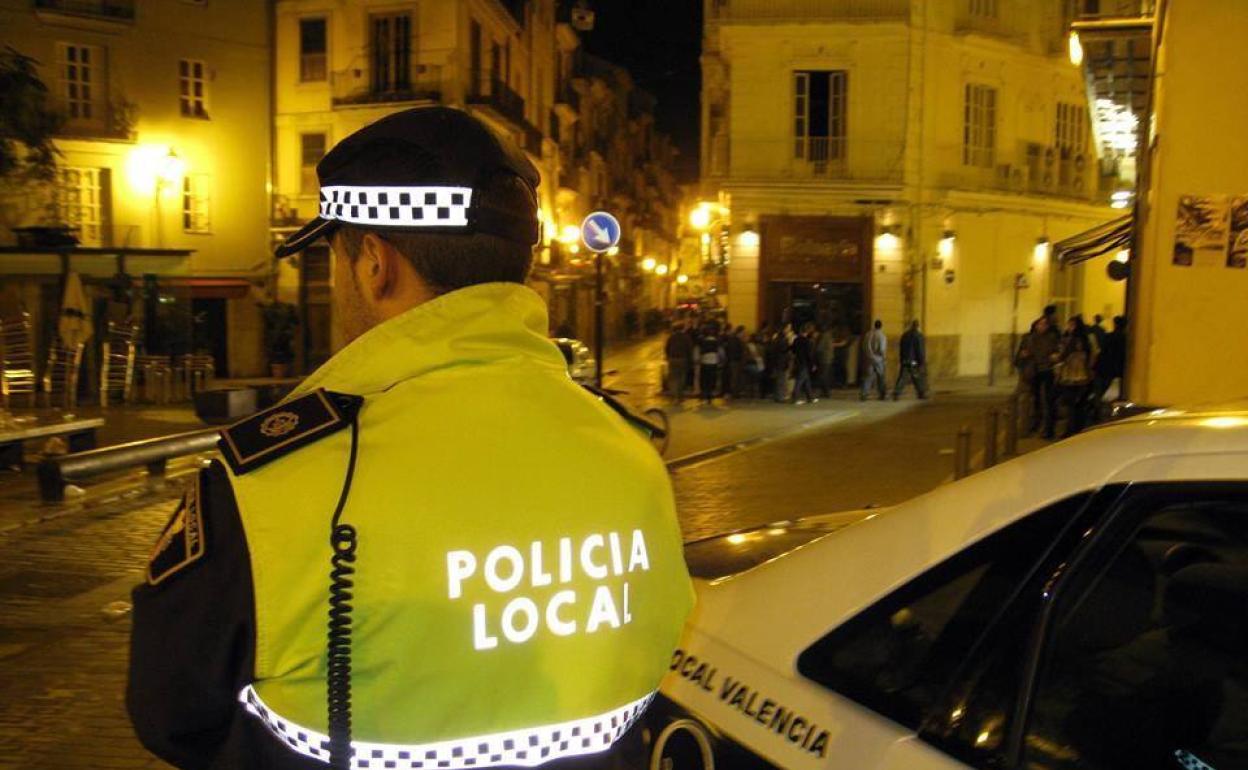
x=679 y=353
x=776 y=361
x=1039 y=354
x=804 y=365
x=1074 y=375
x=1111 y=363
x=734 y=361
x=912 y=355
x=710 y=359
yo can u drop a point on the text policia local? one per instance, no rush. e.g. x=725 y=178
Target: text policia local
x=568 y=563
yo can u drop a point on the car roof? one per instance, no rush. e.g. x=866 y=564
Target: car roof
x=796 y=598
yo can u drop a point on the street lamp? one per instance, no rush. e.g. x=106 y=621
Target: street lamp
x=682 y=279
x=660 y=270
x=648 y=264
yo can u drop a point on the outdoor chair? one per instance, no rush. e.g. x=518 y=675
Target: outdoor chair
x=17 y=360
x=117 y=362
x=157 y=378
x=60 y=376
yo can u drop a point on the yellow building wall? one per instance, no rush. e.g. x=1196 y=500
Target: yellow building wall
x=1189 y=339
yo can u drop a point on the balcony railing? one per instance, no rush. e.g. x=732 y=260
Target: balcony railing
x=113 y=10
x=413 y=83
x=831 y=10
x=497 y=95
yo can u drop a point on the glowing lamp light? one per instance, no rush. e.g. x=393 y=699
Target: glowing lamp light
x=748 y=239
x=1075 y=48
x=1121 y=199
x=575 y=248
x=660 y=269
x=171 y=167
x=682 y=279
x=1040 y=253
x=945 y=246
x=1123 y=256
x=886 y=242
x=648 y=264
x=700 y=217
x=151 y=167
x=611 y=252
x=569 y=235
x=1225 y=422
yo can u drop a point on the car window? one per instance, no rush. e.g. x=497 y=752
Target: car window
x=1147 y=664
x=898 y=656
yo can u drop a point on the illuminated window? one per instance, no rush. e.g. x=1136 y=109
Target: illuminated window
x=311 y=149
x=193 y=88
x=819 y=111
x=979 y=125
x=82 y=81
x=82 y=196
x=312 y=50
x=1070 y=132
x=195 y=201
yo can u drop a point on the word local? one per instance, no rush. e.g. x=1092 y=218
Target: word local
x=596 y=557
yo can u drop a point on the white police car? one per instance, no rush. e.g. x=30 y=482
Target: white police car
x=1084 y=606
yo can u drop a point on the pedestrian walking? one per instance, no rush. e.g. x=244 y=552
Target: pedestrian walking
x=804 y=365
x=678 y=350
x=232 y=662
x=912 y=358
x=710 y=358
x=777 y=357
x=1074 y=373
x=874 y=351
x=825 y=354
x=1111 y=364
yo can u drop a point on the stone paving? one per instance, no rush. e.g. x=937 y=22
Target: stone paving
x=63 y=637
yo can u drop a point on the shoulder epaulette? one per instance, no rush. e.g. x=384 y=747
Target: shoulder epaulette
x=628 y=414
x=279 y=430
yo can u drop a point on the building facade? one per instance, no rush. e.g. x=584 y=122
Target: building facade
x=162 y=174
x=903 y=160
x=341 y=64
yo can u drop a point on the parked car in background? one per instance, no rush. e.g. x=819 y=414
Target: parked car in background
x=579 y=357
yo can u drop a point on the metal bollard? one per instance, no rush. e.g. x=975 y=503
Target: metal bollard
x=962 y=453
x=1011 y=426
x=990 y=438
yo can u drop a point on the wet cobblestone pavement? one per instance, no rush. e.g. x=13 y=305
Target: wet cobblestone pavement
x=63 y=645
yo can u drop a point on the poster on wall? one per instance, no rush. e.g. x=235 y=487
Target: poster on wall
x=1200 y=233
x=1237 y=244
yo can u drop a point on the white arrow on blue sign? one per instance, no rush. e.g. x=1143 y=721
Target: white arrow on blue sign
x=600 y=231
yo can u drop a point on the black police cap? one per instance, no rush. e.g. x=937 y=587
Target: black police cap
x=428 y=169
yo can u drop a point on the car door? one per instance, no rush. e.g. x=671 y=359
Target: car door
x=898 y=659
x=1131 y=654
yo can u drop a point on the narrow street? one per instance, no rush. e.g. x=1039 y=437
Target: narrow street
x=63 y=621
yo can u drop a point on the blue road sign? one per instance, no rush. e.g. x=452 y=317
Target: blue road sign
x=600 y=231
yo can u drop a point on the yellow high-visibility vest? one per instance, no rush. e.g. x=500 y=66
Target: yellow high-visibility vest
x=520 y=583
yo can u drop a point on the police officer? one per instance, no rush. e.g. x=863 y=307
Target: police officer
x=439 y=551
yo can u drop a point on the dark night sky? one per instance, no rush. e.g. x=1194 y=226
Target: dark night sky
x=658 y=41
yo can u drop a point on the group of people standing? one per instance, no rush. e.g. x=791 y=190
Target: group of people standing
x=785 y=364
x=1069 y=369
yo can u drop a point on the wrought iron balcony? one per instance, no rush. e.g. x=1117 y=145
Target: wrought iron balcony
x=370 y=85
x=113 y=120
x=112 y=10
x=498 y=96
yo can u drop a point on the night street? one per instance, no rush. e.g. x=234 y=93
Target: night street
x=62 y=578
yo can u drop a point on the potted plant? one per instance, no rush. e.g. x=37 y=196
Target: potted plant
x=281 y=320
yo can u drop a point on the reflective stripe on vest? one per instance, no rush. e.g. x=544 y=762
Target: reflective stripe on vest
x=528 y=747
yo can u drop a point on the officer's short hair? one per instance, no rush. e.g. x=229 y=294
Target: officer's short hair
x=450 y=261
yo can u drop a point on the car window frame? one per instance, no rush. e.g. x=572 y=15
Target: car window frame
x=933 y=577
x=1137 y=501
x=1017 y=621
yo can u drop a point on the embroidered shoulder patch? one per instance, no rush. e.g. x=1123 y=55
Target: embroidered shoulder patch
x=280 y=430
x=182 y=542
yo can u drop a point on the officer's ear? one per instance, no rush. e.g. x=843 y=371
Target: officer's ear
x=378 y=267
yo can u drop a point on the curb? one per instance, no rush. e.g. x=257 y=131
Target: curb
x=706 y=455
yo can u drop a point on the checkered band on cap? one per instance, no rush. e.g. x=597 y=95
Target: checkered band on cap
x=397 y=206
x=528 y=747
x=1190 y=761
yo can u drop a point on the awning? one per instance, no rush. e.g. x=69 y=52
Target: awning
x=1113 y=236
